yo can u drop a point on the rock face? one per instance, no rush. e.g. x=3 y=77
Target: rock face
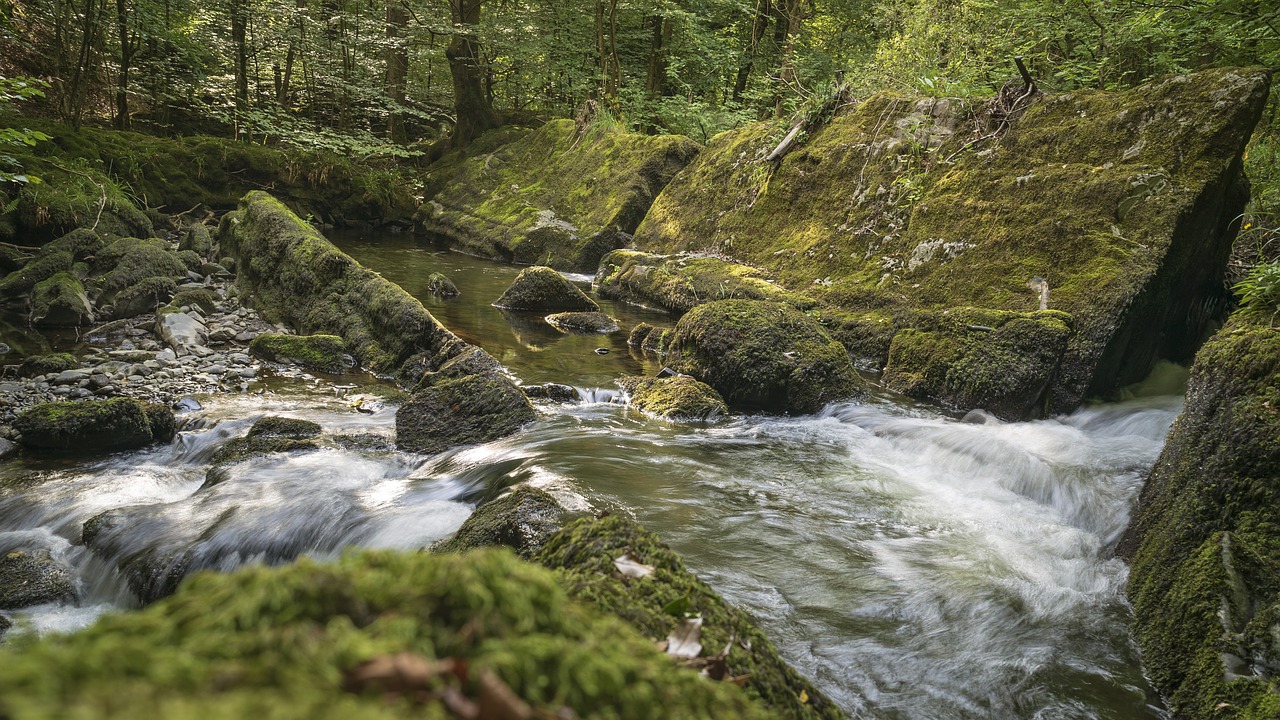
x=33 y=578
x=552 y=196
x=522 y=520
x=463 y=411
x=541 y=288
x=1125 y=203
x=763 y=356
x=297 y=277
x=682 y=282
x=1205 y=539
x=95 y=425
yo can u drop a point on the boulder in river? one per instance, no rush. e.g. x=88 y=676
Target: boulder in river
x=583 y=323
x=541 y=288
x=33 y=577
x=441 y=286
x=60 y=301
x=763 y=356
x=94 y=425
x=323 y=353
x=462 y=411
x=679 y=397
x=522 y=520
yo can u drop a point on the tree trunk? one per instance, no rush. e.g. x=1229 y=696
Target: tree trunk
x=474 y=114
x=758 y=25
x=397 y=58
x=788 y=27
x=239 y=25
x=126 y=56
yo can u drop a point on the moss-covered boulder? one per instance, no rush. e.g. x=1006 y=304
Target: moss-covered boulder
x=763 y=356
x=305 y=641
x=649 y=338
x=583 y=323
x=522 y=520
x=33 y=577
x=297 y=277
x=198 y=239
x=1205 y=538
x=202 y=298
x=553 y=196
x=143 y=297
x=268 y=434
x=461 y=411
x=129 y=261
x=585 y=552
x=94 y=425
x=682 y=282
x=60 y=301
x=44 y=364
x=324 y=353
x=421 y=371
x=1126 y=203
x=81 y=243
x=678 y=397
x=70 y=199
x=1002 y=362
x=541 y=288
x=441 y=286
x=20 y=282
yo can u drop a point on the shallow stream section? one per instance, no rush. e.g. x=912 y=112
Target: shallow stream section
x=913 y=565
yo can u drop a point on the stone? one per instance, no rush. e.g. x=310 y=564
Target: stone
x=441 y=286
x=33 y=577
x=682 y=282
x=181 y=332
x=94 y=425
x=675 y=398
x=323 y=353
x=522 y=520
x=542 y=288
x=60 y=301
x=461 y=411
x=584 y=323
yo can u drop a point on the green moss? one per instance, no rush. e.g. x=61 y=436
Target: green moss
x=94 y=425
x=522 y=520
x=196 y=297
x=44 y=364
x=137 y=263
x=441 y=286
x=548 y=196
x=198 y=240
x=276 y=642
x=144 y=296
x=584 y=553
x=675 y=398
x=20 y=282
x=681 y=282
x=461 y=411
x=1205 y=539
x=82 y=243
x=763 y=356
x=60 y=301
x=315 y=352
x=1126 y=203
x=276 y=426
x=542 y=288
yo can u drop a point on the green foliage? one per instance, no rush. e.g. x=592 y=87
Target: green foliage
x=14 y=90
x=1260 y=291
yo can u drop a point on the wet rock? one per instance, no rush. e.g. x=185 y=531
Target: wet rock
x=60 y=301
x=324 y=353
x=541 y=288
x=462 y=411
x=7 y=448
x=33 y=577
x=94 y=425
x=763 y=356
x=129 y=261
x=682 y=282
x=441 y=286
x=200 y=297
x=143 y=297
x=675 y=398
x=181 y=332
x=585 y=323
x=81 y=243
x=5 y=624
x=551 y=391
x=20 y=282
x=522 y=520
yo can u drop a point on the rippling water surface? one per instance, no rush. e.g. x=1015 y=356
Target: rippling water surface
x=913 y=565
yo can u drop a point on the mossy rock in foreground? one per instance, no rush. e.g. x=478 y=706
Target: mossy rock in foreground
x=94 y=425
x=585 y=550
x=541 y=288
x=323 y=353
x=676 y=398
x=280 y=642
x=763 y=356
x=1205 y=538
x=522 y=520
x=461 y=411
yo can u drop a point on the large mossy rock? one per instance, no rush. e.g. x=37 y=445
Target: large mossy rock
x=296 y=276
x=678 y=397
x=290 y=643
x=542 y=288
x=324 y=353
x=1125 y=203
x=462 y=411
x=268 y=434
x=60 y=301
x=552 y=196
x=682 y=282
x=94 y=425
x=143 y=297
x=1205 y=539
x=585 y=552
x=763 y=356
x=21 y=282
x=129 y=261
x=33 y=577
x=522 y=520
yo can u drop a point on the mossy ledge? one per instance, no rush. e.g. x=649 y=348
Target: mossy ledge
x=281 y=642
x=1126 y=203
x=682 y=282
x=552 y=196
x=1205 y=539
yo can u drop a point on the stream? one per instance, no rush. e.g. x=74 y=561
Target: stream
x=911 y=564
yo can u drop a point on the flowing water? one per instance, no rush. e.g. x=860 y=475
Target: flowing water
x=913 y=565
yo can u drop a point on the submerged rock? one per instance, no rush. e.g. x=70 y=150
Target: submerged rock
x=763 y=356
x=323 y=353
x=33 y=578
x=541 y=288
x=1126 y=203
x=522 y=520
x=586 y=323
x=462 y=411
x=554 y=196
x=679 y=397
x=1204 y=541
x=94 y=425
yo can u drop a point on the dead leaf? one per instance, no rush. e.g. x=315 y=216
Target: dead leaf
x=499 y=702
x=402 y=673
x=630 y=567
x=686 y=640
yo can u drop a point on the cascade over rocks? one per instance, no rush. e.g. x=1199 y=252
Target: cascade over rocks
x=1126 y=203
x=550 y=196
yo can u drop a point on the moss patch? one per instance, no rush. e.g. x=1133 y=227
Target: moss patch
x=682 y=282
x=94 y=425
x=675 y=398
x=144 y=297
x=44 y=364
x=60 y=301
x=20 y=282
x=324 y=353
x=196 y=297
x=550 y=196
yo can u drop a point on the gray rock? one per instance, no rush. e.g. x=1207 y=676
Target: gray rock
x=182 y=332
x=33 y=578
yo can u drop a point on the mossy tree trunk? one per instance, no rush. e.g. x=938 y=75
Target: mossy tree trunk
x=474 y=112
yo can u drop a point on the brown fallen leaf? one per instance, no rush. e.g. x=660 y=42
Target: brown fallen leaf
x=630 y=567
x=402 y=673
x=686 y=640
x=499 y=702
